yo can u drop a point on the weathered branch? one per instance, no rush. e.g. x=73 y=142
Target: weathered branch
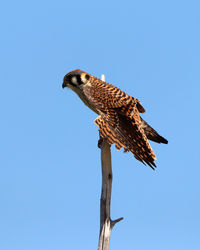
x=106 y=224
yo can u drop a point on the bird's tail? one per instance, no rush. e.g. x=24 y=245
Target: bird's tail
x=151 y=134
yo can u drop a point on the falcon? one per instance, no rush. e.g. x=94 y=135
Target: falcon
x=119 y=117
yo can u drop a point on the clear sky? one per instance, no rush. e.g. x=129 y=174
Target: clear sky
x=50 y=175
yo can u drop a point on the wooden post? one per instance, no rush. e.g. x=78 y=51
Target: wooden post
x=106 y=224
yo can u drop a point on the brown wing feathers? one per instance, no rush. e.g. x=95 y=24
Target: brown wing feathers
x=124 y=132
x=106 y=132
x=132 y=137
x=120 y=121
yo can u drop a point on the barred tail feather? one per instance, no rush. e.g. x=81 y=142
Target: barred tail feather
x=151 y=134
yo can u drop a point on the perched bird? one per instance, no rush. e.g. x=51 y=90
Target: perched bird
x=119 y=120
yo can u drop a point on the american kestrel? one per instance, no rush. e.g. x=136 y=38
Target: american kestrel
x=119 y=120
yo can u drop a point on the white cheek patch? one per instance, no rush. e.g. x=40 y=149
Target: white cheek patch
x=74 y=80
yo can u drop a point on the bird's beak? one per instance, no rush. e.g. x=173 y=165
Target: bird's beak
x=64 y=85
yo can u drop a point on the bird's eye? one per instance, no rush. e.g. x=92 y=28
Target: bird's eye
x=87 y=77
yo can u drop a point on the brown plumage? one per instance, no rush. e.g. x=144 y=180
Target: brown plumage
x=119 y=120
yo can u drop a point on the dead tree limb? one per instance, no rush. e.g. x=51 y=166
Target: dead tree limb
x=106 y=224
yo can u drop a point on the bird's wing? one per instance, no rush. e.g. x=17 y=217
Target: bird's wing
x=103 y=94
x=126 y=133
x=121 y=120
x=106 y=132
x=132 y=136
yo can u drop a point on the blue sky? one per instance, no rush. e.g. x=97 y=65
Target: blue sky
x=50 y=176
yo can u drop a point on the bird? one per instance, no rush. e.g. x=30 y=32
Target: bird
x=119 y=119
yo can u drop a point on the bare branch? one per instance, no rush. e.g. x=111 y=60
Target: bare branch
x=106 y=224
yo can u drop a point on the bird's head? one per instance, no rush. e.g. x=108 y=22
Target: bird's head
x=75 y=79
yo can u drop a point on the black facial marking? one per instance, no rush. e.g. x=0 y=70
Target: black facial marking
x=79 y=80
